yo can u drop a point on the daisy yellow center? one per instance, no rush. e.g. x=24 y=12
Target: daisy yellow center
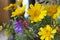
x=47 y=33
x=52 y=10
x=36 y=13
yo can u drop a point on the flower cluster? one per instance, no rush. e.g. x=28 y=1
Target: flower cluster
x=39 y=15
x=53 y=11
x=19 y=11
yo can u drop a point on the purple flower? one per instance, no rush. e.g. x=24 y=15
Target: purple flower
x=18 y=28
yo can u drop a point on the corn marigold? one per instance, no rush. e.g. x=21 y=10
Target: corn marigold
x=47 y=33
x=36 y=12
x=53 y=11
x=19 y=2
x=8 y=7
x=18 y=11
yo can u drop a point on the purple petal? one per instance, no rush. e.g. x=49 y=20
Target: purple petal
x=18 y=28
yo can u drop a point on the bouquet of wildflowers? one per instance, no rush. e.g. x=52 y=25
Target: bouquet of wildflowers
x=42 y=23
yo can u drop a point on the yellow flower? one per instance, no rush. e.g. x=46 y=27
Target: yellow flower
x=36 y=12
x=53 y=11
x=1 y=27
x=18 y=11
x=19 y=2
x=47 y=33
x=57 y=14
x=6 y=32
x=8 y=7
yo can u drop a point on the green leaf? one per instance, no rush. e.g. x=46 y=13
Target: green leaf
x=21 y=37
x=57 y=37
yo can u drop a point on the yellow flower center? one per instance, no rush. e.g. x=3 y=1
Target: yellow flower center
x=52 y=10
x=36 y=13
x=47 y=33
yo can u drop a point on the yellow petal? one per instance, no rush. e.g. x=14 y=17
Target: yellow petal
x=19 y=2
x=41 y=29
x=8 y=7
x=39 y=33
x=55 y=16
x=13 y=14
x=47 y=38
x=31 y=6
x=52 y=36
x=54 y=31
x=48 y=27
x=42 y=37
x=58 y=8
